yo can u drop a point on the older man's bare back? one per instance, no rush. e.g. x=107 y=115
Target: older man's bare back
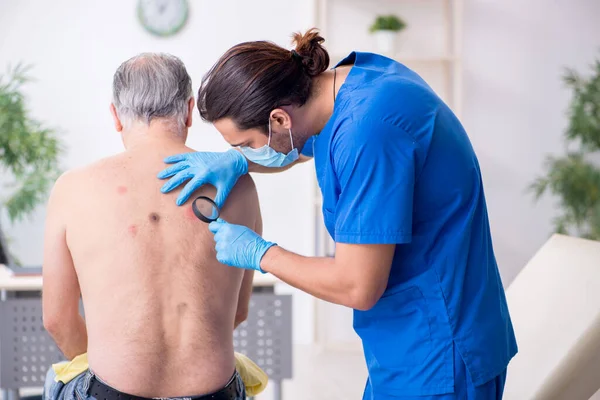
x=159 y=308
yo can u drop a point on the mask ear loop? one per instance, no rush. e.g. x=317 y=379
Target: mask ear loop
x=269 y=142
x=270 y=133
x=291 y=139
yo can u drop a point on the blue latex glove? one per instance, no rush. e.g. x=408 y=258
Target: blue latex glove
x=221 y=170
x=238 y=246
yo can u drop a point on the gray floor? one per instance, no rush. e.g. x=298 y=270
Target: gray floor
x=324 y=375
x=318 y=375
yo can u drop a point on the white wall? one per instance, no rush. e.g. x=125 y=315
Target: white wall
x=515 y=106
x=75 y=48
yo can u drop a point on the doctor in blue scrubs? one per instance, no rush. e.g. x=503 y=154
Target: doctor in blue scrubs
x=402 y=198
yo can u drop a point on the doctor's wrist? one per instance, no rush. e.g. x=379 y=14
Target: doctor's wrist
x=270 y=257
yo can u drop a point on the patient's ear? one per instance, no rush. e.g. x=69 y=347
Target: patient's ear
x=191 y=104
x=117 y=121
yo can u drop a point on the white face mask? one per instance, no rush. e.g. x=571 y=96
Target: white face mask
x=267 y=156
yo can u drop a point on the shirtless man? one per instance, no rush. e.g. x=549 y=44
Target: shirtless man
x=159 y=309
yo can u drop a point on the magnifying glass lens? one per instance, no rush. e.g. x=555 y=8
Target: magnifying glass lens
x=205 y=209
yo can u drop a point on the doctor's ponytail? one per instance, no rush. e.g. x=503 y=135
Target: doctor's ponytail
x=312 y=54
x=253 y=78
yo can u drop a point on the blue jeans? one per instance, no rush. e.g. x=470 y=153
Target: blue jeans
x=78 y=387
x=70 y=391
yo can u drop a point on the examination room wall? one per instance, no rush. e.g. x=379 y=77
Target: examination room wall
x=514 y=104
x=75 y=48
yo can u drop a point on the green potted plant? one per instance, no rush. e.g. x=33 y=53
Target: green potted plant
x=385 y=28
x=29 y=151
x=574 y=179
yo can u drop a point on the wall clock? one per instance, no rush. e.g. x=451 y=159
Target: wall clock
x=163 y=17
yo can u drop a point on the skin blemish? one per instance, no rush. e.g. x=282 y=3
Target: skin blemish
x=189 y=213
x=154 y=217
x=132 y=229
x=181 y=308
x=121 y=189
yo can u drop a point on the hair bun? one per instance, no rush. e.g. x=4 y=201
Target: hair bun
x=314 y=57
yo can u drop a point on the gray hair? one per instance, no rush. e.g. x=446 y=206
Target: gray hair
x=152 y=85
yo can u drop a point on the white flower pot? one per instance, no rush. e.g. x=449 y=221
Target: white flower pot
x=386 y=42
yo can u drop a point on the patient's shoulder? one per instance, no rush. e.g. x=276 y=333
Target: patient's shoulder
x=78 y=178
x=62 y=192
x=244 y=186
x=241 y=206
x=67 y=180
x=243 y=193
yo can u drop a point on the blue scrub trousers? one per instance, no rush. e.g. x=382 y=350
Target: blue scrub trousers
x=463 y=387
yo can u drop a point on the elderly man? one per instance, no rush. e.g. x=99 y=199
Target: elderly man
x=160 y=311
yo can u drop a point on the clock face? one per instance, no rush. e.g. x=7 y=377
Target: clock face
x=163 y=17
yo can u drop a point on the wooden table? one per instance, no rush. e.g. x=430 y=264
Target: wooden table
x=18 y=283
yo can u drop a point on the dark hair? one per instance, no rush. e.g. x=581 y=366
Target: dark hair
x=253 y=78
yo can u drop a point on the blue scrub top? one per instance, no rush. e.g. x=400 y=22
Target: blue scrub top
x=395 y=166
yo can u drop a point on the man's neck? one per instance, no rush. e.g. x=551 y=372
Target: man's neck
x=157 y=134
x=319 y=107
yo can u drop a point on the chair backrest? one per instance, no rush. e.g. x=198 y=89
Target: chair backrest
x=553 y=304
x=266 y=336
x=27 y=350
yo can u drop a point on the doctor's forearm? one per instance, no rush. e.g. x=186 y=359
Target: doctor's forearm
x=267 y=170
x=252 y=167
x=318 y=276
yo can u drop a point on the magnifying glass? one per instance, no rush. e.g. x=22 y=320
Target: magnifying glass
x=205 y=209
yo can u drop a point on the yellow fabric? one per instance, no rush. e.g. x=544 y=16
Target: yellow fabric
x=67 y=370
x=254 y=378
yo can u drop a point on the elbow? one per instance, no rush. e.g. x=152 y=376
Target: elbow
x=363 y=303
x=240 y=316
x=56 y=321
x=52 y=323
x=364 y=300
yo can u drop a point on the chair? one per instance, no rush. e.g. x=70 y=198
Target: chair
x=266 y=337
x=553 y=303
x=27 y=351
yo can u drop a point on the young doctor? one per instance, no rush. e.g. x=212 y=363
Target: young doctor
x=402 y=198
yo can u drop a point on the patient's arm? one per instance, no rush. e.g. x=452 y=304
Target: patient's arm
x=246 y=289
x=61 y=290
x=244 y=298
